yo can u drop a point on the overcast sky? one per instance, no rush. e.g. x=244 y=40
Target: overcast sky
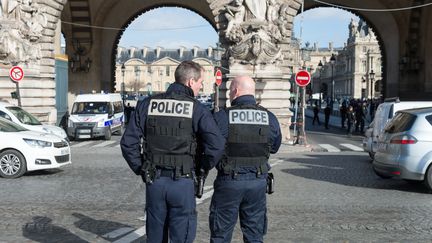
x=171 y=27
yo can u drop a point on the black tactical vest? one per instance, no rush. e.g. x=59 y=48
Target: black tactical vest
x=170 y=140
x=248 y=134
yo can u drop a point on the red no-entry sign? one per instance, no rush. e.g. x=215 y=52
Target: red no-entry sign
x=16 y=73
x=302 y=78
x=218 y=77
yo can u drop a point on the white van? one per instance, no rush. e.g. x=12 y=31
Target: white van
x=96 y=115
x=21 y=117
x=384 y=114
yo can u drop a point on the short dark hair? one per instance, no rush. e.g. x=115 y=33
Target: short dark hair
x=187 y=70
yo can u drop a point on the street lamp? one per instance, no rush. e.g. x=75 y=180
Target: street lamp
x=332 y=62
x=122 y=89
x=320 y=66
x=372 y=78
x=137 y=74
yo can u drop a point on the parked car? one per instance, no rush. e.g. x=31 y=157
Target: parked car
x=405 y=147
x=22 y=150
x=367 y=140
x=23 y=118
x=385 y=113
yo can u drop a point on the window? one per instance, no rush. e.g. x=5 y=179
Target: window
x=167 y=70
x=400 y=123
x=118 y=107
x=364 y=49
x=364 y=66
x=429 y=119
x=4 y=115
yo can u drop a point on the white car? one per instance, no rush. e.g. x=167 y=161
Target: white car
x=24 y=119
x=22 y=150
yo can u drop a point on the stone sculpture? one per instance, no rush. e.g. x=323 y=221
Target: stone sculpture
x=254 y=30
x=21 y=26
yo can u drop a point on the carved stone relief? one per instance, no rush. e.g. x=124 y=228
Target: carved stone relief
x=254 y=30
x=21 y=26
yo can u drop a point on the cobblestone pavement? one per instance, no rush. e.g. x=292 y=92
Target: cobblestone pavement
x=320 y=197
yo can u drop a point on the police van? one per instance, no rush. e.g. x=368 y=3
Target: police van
x=96 y=115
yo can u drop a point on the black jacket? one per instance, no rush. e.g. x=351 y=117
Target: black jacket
x=208 y=134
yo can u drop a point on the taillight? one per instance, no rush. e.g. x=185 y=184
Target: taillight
x=403 y=139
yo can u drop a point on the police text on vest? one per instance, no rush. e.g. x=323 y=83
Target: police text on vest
x=176 y=108
x=248 y=117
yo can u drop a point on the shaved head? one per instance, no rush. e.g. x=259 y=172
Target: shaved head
x=242 y=85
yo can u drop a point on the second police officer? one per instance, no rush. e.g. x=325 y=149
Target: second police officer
x=251 y=133
x=160 y=144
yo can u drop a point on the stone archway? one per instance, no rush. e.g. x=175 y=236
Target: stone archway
x=270 y=68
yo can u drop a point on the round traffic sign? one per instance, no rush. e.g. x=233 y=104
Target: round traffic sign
x=218 y=77
x=302 y=78
x=16 y=73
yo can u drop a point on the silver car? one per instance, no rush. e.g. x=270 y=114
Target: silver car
x=405 y=147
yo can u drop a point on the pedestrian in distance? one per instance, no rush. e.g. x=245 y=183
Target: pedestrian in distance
x=316 y=117
x=343 y=111
x=327 y=112
x=168 y=128
x=350 y=120
x=128 y=110
x=252 y=133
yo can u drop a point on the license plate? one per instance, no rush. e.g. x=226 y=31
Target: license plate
x=64 y=151
x=85 y=131
x=84 y=136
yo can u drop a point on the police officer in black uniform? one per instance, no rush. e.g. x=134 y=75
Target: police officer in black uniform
x=251 y=133
x=160 y=144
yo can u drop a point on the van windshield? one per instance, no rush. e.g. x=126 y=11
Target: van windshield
x=90 y=108
x=23 y=116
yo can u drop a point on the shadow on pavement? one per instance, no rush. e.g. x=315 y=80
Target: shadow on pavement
x=41 y=229
x=344 y=170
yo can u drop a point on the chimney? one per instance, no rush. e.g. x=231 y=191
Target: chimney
x=119 y=51
x=145 y=51
x=158 y=51
x=195 y=51
x=133 y=52
x=181 y=51
x=331 y=46
x=209 y=51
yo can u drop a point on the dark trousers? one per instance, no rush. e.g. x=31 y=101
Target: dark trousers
x=170 y=210
x=326 y=121
x=316 y=118
x=350 y=127
x=343 y=118
x=238 y=198
x=360 y=125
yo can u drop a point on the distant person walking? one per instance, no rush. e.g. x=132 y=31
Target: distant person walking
x=343 y=112
x=360 y=115
x=350 y=120
x=316 y=117
x=327 y=112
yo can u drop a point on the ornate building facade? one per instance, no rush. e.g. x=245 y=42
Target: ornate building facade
x=356 y=68
x=148 y=70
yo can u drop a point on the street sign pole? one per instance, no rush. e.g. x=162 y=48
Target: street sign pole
x=18 y=93
x=302 y=79
x=216 y=105
x=295 y=113
x=218 y=82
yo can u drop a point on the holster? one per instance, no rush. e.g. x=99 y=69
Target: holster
x=270 y=183
x=199 y=183
x=148 y=172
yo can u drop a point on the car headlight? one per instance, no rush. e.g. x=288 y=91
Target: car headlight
x=101 y=124
x=70 y=123
x=37 y=143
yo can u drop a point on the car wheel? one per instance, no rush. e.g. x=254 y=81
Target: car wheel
x=383 y=176
x=428 y=178
x=108 y=134
x=12 y=164
x=120 y=131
